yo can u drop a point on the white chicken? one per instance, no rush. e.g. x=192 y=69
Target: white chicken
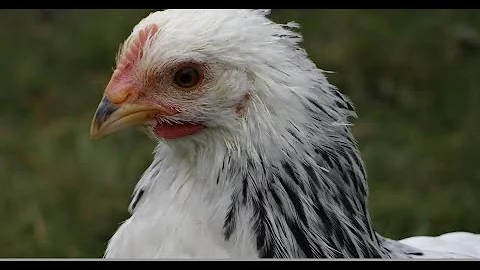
x=255 y=156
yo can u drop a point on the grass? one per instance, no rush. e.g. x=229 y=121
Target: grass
x=413 y=75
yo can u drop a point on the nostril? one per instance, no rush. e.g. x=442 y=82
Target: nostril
x=120 y=88
x=120 y=98
x=119 y=93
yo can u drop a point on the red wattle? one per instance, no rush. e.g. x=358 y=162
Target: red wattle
x=175 y=131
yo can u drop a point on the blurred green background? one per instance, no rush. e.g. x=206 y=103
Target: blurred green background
x=414 y=76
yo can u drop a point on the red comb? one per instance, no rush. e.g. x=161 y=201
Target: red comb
x=120 y=86
x=135 y=48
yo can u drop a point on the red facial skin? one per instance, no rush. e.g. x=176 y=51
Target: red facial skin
x=122 y=88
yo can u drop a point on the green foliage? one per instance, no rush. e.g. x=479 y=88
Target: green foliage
x=413 y=75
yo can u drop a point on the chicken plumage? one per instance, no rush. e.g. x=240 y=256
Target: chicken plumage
x=255 y=155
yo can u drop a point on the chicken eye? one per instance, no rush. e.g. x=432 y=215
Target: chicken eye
x=186 y=77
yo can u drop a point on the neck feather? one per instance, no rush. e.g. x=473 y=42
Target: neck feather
x=306 y=192
x=294 y=189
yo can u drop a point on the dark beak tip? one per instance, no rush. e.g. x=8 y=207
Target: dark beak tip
x=104 y=110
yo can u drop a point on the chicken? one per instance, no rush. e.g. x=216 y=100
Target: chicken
x=255 y=156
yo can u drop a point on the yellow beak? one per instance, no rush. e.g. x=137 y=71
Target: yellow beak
x=110 y=118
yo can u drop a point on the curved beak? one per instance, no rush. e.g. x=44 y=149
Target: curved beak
x=117 y=110
x=110 y=118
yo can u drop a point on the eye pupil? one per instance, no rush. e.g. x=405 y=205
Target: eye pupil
x=187 y=77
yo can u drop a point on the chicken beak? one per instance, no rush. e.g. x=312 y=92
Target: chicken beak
x=110 y=118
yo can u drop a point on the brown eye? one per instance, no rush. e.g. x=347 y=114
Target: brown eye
x=187 y=77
